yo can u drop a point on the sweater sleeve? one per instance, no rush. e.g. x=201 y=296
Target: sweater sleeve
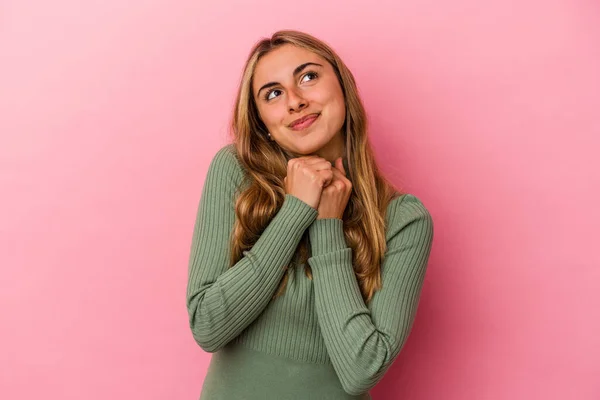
x=223 y=301
x=363 y=341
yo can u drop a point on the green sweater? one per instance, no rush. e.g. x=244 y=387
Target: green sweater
x=318 y=340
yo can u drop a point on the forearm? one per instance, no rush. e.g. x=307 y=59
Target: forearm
x=362 y=340
x=221 y=308
x=359 y=351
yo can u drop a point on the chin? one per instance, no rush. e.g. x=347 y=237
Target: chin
x=310 y=143
x=307 y=149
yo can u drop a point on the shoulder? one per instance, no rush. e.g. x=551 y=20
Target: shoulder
x=226 y=155
x=408 y=210
x=225 y=164
x=225 y=170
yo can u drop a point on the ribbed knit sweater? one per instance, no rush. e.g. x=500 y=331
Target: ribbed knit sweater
x=319 y=340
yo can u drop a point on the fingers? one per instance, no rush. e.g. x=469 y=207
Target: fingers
x=327 y=177
x=313 y=162
x=318 y=165
x=339 y=181
x=336 y=185
x=322 y=165
x=339 y=164
x=318 y=162
x=339 y=175
x=307 y=159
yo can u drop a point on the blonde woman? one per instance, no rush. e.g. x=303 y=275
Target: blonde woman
x=306 y=264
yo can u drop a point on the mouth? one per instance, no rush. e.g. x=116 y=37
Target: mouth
x=304 y=122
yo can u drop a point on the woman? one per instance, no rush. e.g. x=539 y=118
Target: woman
x=306 y=264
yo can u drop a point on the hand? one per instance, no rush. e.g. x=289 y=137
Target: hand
x=306 y=177
x=335 y=196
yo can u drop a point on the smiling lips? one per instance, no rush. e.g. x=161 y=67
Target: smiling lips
x=304 y=122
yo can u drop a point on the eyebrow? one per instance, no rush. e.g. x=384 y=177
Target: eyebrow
x=298 y=69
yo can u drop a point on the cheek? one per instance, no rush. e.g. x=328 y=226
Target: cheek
x=270 y=116
x=334 y=99
x=337 y=104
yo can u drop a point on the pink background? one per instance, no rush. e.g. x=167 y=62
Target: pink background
x=112 y=110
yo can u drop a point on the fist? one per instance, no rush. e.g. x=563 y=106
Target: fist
x=335 y=196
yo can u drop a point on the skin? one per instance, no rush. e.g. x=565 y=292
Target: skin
x=317 y=175
x=296 y=96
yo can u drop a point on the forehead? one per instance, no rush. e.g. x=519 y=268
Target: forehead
x=279 y=64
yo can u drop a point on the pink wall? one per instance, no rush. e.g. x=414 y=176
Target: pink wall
x=112 y=110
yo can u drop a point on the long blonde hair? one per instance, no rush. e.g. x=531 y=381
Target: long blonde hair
x=265 y=164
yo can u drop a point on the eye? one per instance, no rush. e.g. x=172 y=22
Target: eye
x=268 y=94
x=311 y=73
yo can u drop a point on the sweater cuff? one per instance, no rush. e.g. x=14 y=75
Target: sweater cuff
x=298 y=212
x=326 y=235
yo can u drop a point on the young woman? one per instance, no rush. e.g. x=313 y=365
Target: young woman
x=306 y=264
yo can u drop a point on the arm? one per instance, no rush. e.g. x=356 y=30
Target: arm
x=223 y=301
x=362 y=341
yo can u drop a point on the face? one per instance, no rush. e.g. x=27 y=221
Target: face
x=291 y=83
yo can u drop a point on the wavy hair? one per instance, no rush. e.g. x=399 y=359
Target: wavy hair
x=265 y=165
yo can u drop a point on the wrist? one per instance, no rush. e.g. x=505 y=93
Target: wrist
x=326 y=235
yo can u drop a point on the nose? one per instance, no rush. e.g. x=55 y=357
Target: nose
x=295 y=101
